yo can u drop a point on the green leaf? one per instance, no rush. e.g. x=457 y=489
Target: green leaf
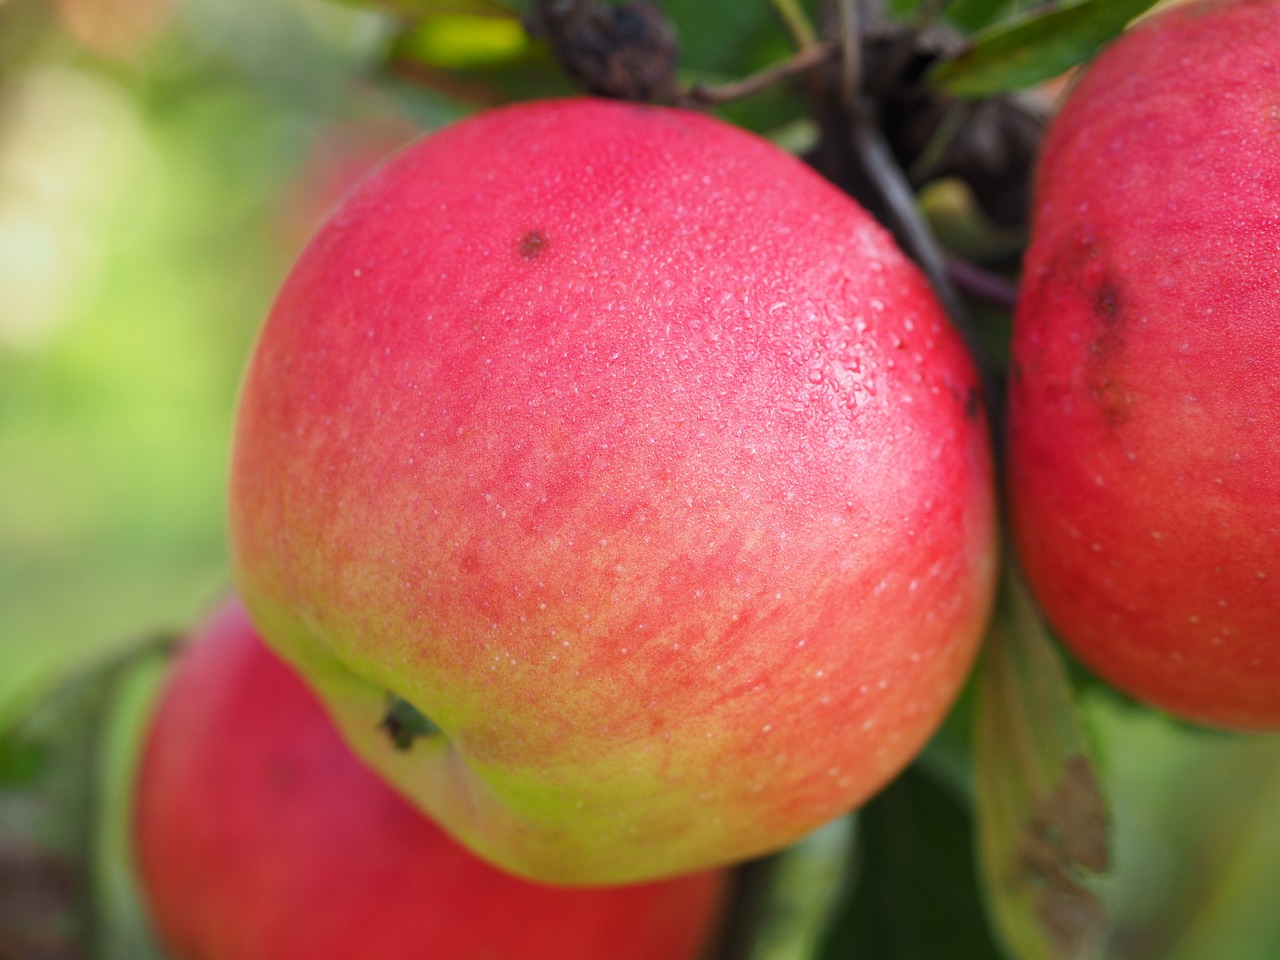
x=808 y=883
x=967 y=15
x=419 y=9
x=917 y=895
x=20 y=761
x=973 y=15
x=1043 y=821
x=121 y=928
x=731 y=38
x=52 y=837
x=458 y=42
x=1028 y=49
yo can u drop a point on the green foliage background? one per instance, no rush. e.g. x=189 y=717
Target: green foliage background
x=151 y=200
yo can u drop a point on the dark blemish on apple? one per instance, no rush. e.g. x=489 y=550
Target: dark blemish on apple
x=405 y=723
x=1103 y=362
x=532 y=244
x=1106 y=302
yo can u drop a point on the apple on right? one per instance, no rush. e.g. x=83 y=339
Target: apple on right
x=1144 y=405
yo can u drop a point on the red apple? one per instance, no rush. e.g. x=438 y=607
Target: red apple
x=637 y=458
x=261 y=837
x=1144 y=421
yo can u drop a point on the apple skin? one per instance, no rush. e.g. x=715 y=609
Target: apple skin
x=1144 y=409
x=636 y=457
x=260 y=836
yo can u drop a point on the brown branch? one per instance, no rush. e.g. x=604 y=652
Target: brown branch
x=801 y=62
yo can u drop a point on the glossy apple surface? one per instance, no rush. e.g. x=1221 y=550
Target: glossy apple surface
x=637 y=458
x=262 y=837
x=1144 y=422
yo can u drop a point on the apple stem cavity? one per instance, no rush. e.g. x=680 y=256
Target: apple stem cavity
x=405 y=723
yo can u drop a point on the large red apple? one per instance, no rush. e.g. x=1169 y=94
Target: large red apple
x=1144 y=422
x=261 y=837
x=637 y=458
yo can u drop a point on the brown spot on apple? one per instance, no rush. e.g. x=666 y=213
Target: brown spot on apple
x=532 y=244
x=1104 y=360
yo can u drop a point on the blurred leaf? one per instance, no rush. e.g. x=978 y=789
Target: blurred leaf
x=1043 y=821
x=417 y=9
x=784 y=903
x=808 y=885
x=917 y=895
x=728 y=37
x=455 y=42
x=1028 y=49
x=968 y=15
x=121 y=928
x=973 y=15
x=20 y=761
x=50 y=825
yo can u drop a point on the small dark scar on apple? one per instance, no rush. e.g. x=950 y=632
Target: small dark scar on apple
x=1106 y=302
x=532 y=244
x=1103 y=364
x=404 y=723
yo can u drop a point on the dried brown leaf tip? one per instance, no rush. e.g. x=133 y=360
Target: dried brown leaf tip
x=1060 y=847
x=37 y=899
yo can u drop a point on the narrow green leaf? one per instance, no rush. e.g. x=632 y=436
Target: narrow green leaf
x=916 y=893
x=1028 y=49
x=973 y=15
x=419 y=9
x=969 y=16
x=1043 y=821
x=459 y=42
x=808 y=883
x=49 y=820
x=121 y=929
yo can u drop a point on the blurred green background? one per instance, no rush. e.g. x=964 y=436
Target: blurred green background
x=161 y=162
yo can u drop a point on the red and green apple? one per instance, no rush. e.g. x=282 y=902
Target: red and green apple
x=638 y=460
x=1144 y=419
x=260 y=836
